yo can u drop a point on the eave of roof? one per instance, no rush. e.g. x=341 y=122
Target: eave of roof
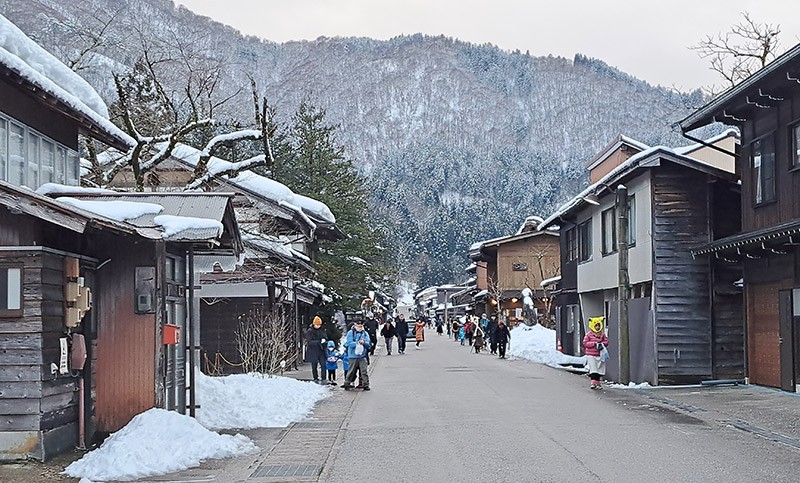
x=706 y=114
x=632 y=164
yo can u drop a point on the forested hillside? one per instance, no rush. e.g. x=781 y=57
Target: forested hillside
x=460 y=142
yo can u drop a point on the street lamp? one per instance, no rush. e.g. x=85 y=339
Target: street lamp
x=623 y=280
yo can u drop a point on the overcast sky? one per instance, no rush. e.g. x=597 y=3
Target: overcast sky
x=645 y=38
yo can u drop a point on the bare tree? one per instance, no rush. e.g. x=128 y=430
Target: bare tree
x=496 y=292
x=546 y=265
x=264 y=341
x=738 y=53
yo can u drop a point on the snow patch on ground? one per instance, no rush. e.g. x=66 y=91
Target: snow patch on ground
x=260 y=402
x=156 y=442
x=538 y=344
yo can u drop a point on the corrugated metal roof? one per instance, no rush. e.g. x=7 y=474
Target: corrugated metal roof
x=193 y=205
x=207 y=263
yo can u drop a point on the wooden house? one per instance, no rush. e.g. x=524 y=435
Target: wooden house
x=514 y=263
x=281 y=230
x=681 y=328
x=766 y=109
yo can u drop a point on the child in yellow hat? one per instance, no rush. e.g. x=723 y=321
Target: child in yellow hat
x=593 y=343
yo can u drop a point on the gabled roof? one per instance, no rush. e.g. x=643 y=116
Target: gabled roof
x=475 y=251
x=189 y=206
x=612 y=147
x=22 y=200
x=761 y=90
x=312 y=215
x=26 y=65
x=648 y=158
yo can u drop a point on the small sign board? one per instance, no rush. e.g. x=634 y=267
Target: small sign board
x=519 y=267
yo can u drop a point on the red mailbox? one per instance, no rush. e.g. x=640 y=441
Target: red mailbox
x=171 y=334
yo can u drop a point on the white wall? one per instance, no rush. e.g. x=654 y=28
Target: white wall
x=601 y=272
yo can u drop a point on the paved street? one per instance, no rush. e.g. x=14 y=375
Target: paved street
x=444 y=414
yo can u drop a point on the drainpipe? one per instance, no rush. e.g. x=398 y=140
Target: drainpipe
x=190 y=329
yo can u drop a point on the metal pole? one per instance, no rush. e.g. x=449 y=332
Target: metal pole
x=190 y=330
x=624 y=283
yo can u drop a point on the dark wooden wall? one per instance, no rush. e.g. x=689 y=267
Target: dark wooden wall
x=681 y=283
x=32 y=398
x=218 y=324
x=26 y=110
x=775 y=120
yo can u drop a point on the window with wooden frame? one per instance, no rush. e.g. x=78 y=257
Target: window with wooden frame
x=609 y=231
x=572 y=244
x=631 y=220
x=11 y=291
x=762 y=157
x=794 y=146
x=585 y=241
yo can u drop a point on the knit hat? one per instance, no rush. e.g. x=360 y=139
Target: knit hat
x=317 y=320
x=331 y=344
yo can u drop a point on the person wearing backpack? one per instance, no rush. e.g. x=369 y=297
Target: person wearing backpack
x=388 y=333
x=357 y=344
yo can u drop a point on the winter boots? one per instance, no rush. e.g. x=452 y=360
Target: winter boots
x=596 y=385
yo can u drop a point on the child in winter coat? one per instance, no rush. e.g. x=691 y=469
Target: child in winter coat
x=332 y=361
x=593 y=343
x=462 y=334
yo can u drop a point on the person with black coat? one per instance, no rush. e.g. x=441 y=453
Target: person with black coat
x=502 y=336
x=371 y=326
x=401 y=330
x=490 y=331
x=388 y=333
x=316 y=348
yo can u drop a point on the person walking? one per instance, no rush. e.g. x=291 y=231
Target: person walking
x=388 y=333
x=478 y=343
x=593 y=344
x=315 y=348
x=456 y=335
x=439 y=326
x=357 y=344
x=491 y=332
x=419 y=331
x=371 y=326
x=502 y=336
x=332 y=362
x=401 y=329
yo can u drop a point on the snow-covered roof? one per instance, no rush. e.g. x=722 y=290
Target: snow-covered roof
x=550 y=281
x=612 y=147
x=628 y=165
x=471 y=267
x=280 y=246
x=685 y=150
x=43 y=70
x=261 y=185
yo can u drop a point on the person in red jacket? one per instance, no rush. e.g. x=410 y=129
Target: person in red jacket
x=593 y=343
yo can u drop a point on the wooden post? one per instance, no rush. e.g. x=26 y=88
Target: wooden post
x=624 y=283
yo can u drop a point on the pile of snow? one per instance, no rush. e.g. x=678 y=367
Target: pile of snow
x=156 y=442
x=538 y=344
x=115 y=210
x=244 y=401
x=632 y=385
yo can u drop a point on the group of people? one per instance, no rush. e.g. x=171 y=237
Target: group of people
x=359 y=343
x=474 y=332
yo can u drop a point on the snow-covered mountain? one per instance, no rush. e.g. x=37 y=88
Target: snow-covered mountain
x=460 y=141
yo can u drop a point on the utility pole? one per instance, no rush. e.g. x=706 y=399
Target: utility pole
x=624 y=283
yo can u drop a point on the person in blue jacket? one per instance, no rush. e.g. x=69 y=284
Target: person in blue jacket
x=332 y=362
x=357 y=344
